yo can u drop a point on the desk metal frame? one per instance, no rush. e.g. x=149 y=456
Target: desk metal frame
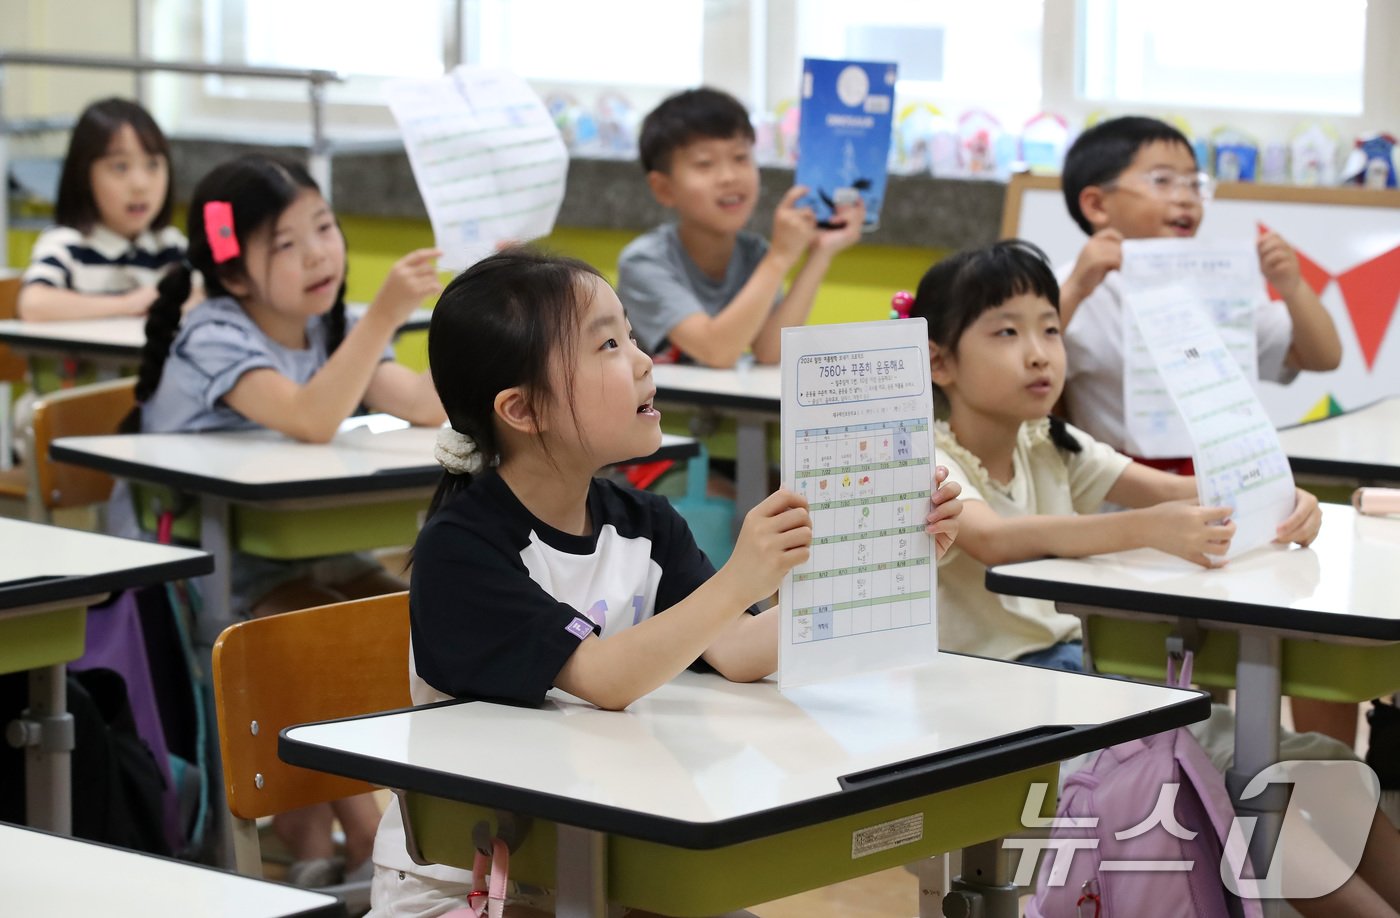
x=46 y=730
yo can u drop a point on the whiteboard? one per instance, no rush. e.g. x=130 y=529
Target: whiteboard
x=1351 y=234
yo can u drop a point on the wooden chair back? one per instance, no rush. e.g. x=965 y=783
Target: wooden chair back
x=315 y=664
x=81 y=411
x=12 y=366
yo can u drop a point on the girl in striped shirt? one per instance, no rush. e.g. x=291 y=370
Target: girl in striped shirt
x=113 y=239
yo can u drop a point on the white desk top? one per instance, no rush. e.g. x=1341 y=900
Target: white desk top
x=370 y=453
x=50 y=875
x=1362 y=444
x=378 y=453
x=1343 y=585
x=41 y=564
x=755 y=387
x=119 y=337
x=702 y=762
x=122 y=336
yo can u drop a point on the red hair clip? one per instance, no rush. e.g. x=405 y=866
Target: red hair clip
x=900 y=304
x=218 y=229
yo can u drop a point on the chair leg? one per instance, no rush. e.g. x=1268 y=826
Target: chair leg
x=38 y=511
x=247 y=851
x=7 y=427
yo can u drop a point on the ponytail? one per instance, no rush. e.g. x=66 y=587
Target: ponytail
x=162 y=323
x=496 y=326
x=1062 y=438
x=448 y=488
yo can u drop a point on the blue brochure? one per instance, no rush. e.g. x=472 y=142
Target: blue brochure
x=844 y=134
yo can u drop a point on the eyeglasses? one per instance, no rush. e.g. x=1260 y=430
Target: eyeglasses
x=1169 y=185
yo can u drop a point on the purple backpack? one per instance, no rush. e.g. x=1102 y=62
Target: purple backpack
x=1123 y=788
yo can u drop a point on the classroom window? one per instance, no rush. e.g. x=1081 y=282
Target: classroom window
x=352 y=37
x=956 y=55
x=1270 y=55
x=582 y=53
x=593 y=43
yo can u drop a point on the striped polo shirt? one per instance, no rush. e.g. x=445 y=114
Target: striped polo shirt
x=102 y=261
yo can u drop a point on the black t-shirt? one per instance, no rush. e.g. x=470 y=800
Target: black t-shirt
x=499 y=600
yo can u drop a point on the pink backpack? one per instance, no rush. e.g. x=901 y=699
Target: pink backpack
x=1123 y=788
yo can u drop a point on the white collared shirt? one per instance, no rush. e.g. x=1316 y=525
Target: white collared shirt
x=1094 y=357
x=102 y=261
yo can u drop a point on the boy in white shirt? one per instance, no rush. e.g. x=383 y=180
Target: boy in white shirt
x=1137 y=178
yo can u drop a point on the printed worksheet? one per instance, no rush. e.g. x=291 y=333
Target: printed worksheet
x=487 y=157
x=1239 y=461
x=1226 y=280
x=857 y=443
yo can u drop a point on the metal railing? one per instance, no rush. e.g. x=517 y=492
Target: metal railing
x=318 y=160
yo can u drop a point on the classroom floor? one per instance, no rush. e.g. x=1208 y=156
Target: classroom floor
x=890 y=893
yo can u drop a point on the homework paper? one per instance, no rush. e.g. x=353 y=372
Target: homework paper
x=1239 y=462
x=856 y=443
x=488 y=160
x=1225 y=279
x=847 y=119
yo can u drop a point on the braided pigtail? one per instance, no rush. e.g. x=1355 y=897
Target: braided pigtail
x=162 y=323
x=335 y=322
x=1062 y=438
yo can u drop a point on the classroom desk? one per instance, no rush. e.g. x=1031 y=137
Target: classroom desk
x=718 y=795
x=1359 y=446
x=113 y=344
x=274 y=497
x=51 y=875
x=48 y=578
x=752 y=395
x=1317 y=622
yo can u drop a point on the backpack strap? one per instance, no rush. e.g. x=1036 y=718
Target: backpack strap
x=489 y=898
x=1182 y=679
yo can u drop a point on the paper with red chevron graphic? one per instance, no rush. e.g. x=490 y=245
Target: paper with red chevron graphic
x=1224 y=280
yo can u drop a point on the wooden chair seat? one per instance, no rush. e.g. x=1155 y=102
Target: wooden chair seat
x=14 y=483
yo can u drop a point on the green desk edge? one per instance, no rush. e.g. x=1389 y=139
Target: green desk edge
x=1310 y=669
x=684 y=882
x=42 y=639
x=288 y=535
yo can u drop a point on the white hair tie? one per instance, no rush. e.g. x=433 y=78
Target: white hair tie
x=457 y=453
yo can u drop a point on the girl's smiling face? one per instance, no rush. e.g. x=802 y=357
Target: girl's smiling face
x=1009 y=363
x=129 y=184
x=609 y=416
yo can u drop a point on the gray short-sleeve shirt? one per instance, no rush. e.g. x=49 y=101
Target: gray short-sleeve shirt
x=659 y=285
x=216 y=344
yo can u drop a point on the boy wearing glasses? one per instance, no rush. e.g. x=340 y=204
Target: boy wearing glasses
x=1137 y=178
